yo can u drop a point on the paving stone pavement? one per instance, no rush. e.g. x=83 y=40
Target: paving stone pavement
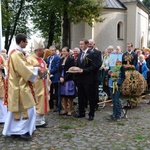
x=69 y=133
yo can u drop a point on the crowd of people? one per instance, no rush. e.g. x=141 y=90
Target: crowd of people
x=51 y=79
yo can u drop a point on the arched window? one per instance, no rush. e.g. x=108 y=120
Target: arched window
x=120 y=30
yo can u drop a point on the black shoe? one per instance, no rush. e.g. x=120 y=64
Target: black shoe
x=42 y=126
x=25 y=136
x=63 y=113
x=55 y=110
x=79 y=116
x=91 y=118
x=51 y=106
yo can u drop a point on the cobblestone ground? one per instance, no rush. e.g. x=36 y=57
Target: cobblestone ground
x=69 y=133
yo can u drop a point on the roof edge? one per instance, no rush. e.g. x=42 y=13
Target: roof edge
x=122 y=4
x=143 y=6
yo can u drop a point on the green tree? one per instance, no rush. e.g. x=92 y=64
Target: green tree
x=76 y=11
x=15 y=15
x=147 y=3
x=47 y=20
x=48 y=16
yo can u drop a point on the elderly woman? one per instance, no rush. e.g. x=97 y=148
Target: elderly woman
x=105 y=67
x=76 y=51
x=117 y=50
x=106 y=59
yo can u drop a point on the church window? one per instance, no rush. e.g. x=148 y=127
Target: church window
x=120 y=30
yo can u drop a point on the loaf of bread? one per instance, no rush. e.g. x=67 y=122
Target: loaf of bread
x=74 y=69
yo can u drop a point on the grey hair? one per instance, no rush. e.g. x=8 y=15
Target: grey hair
x=91 y=40
x=52 y=47
x=110 y=47
x=118 y=47
x=76 y=49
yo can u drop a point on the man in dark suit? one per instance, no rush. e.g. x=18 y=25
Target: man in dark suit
x=53 y=65
x=98 y=62
x=85 y=79
x=130 y=51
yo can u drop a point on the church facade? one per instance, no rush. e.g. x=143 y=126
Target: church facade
x=125 y=21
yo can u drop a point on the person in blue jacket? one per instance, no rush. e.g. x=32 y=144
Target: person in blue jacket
x=115 y=89
x=53 y=66
x=142 y=66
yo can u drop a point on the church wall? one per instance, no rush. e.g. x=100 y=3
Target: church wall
x=131 y=23
x=105 y=33
x=142 y=28
x=77 y=33
x=137 y=25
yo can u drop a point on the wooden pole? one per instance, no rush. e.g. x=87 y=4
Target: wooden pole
x=104 y=102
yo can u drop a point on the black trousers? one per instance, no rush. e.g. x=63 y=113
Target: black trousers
x=95 y=90
x=53 y=95
x=85 y=95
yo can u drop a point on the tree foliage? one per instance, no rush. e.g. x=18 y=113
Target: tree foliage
x=51 y=17
x=84 y=10
x=47 y=20
x=48 y=16
x=147 y=3
x=15 y=15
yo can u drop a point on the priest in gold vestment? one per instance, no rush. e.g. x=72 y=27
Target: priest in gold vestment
x=19 y=94
x=40 y=85
x=3 y=108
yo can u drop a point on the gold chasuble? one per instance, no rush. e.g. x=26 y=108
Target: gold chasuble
x=40 y=86
x=18 y=93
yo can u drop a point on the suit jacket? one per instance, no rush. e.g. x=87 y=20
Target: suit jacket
x=88 y=65
x=69 y=63
x=54 y=67
x=98 y=62
x=133 y=61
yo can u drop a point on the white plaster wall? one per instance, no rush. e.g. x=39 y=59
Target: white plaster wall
x=88 y=31
x=142 y=28
x=131 y=23
x=137 y=25
x=105 y=33
x=77 y=33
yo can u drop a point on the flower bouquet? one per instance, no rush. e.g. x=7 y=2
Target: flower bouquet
x=86 y=59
